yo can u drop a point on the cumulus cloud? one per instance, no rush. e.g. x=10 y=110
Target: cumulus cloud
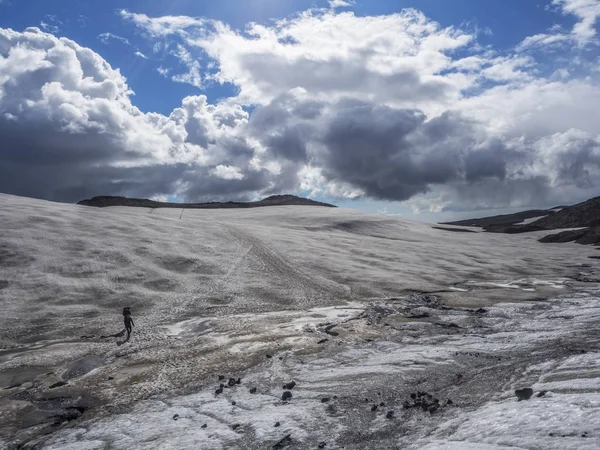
x=69 y=130
x=393 y=107
x=325 y=53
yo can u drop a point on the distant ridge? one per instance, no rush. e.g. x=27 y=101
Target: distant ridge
x=584 y=215
x=274 y=200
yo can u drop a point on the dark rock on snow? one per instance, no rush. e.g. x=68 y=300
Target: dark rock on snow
x=524 y=394
x=287 y=440
x=286 y=396
x=290 y=385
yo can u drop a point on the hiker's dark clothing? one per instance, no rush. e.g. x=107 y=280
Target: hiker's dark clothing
x=128 y=324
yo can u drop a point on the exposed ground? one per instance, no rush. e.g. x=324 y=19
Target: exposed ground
x=359 y=310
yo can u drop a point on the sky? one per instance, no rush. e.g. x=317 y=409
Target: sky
x=426 y=109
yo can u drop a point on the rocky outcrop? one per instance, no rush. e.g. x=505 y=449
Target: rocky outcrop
x=583 y=236
x=585 y=215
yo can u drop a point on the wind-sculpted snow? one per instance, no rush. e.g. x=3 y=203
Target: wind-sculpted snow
x=359 y=310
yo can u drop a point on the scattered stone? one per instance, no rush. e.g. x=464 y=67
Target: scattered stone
x=419 y=316
x=176 y=416
x=389 y=415
x=219 y=391
x=425 y=401
x=277 y=424
x=322 y=341
x=204 y=426
x=253 y=390
x=367 y=400
x=481 y=311
x=221 y=377
x=329 y=332
x=286 y=396
x=233 y=403
x=111 y=378
x=382 y=404
x=57 y=384
x=232 y=382
x=289 y=386
x=269 y=356
x=324 y=399
x=524 y=394
x=373 y=408
x=287 y=440
x=335 y=397
x=235 y=426
x=541 y=393
x=322 y=444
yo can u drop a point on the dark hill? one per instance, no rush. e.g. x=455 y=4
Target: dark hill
x=505 y=220
x=584 y=215
x=274 y=200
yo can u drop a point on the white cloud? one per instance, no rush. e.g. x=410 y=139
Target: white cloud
x=105 y=38
x=583 y=32
x=192 y=76
x=340 y=3
x=228 y=172
x=162 y=26
x=51 y=24
x=397 y=59
x=163 y=71
x=140 y=54
x=587 y=11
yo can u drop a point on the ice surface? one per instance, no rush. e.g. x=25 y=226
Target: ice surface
x=358 y=309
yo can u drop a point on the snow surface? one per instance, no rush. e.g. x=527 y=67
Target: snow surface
x=358 y=309
x=531 y=220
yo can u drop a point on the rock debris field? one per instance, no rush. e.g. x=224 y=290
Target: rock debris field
x=290 y=327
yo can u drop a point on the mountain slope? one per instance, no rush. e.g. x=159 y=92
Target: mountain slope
x=582 y=215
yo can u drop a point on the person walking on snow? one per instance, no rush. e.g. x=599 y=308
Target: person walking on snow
x=128 y=320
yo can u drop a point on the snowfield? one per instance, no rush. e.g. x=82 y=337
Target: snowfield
x=387 y=333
